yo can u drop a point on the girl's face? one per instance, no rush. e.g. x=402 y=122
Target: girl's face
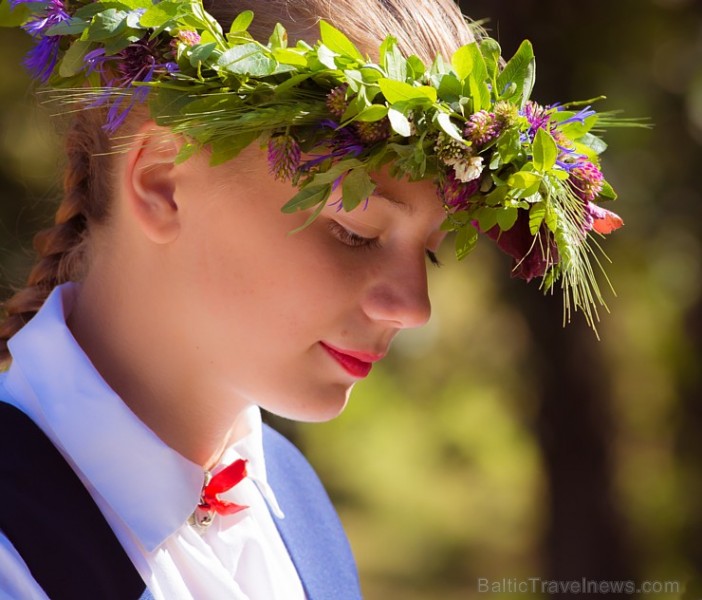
x=291 y=321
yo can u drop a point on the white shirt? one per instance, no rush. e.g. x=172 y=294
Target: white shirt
x=145 y=489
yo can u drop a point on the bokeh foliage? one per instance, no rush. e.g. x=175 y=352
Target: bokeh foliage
x=494 y=443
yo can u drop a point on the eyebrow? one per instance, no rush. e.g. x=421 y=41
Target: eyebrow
x=382 y=193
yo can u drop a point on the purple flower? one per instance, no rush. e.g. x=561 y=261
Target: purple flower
x=530 y=258
x=336 y=100
x=579 y=117
x=138 y=62
x=539 y=117
x=455 y=193
x=482 y=127
x=283 y=156
x=41 y=60
x=585 y=179
x=344 y=143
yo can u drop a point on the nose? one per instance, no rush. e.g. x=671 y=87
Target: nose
x=399 y=295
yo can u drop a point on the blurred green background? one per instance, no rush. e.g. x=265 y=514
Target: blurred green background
x=494 y=443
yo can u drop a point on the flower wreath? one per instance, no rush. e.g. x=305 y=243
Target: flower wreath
x=526 y=175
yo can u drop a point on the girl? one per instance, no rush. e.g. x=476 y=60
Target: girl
x=171 y=302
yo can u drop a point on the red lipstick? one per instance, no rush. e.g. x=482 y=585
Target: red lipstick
x=357 y=364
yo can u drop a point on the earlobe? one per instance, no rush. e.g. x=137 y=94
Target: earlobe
x=149 y=183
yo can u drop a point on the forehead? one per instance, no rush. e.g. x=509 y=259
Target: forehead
x=411 y=197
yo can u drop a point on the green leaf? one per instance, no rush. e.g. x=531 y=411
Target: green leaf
x=450 y=89
x=337 y=41
x=291 y=83
x=545 y=151
x=415 y=67
x=477 y=81
x=186 y=151
x=392 y=60
x=335 y=171
x=487 y=218
x=491 y=52
x=399 y=122
x=72 y=62
x=327 y=57
x=399 y=91
x=74 y=26
x=200 y=53
x=523 y=180
x=466 y=240
x=105 y=25
x=247 y=59
x=289 y=57
x=607 y=191
x=462 y=61
x=596 y=144
x=311 y=219
x=158 y=14
x=279 y=38
x=242 y=21
x=355 y=188
x=537 y=214
x=520 y=71
x=509 y=145
x=374 y=112
x=13 y=17
x=131 y=4
x=226 y=148
x=449 y=127
x=307 y=197
x=506 y=218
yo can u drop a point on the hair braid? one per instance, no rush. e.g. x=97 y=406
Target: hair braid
x=62 y=247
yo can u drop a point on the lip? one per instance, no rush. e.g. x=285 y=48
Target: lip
x=356 y=363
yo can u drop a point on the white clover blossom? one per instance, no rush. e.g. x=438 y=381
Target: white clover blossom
x=467 y=170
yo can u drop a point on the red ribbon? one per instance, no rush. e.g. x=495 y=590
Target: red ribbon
x=223 y=481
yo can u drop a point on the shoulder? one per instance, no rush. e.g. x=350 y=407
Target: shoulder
x=311 y=528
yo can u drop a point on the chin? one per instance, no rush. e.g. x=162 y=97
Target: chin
x=315 y=407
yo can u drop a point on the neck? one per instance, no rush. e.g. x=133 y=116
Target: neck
x=134 y=345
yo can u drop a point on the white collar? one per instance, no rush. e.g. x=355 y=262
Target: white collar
x=152 y=488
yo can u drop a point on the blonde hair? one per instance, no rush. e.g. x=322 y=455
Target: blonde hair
x=422 y=27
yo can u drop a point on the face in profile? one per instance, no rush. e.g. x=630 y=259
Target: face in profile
x=290 y=321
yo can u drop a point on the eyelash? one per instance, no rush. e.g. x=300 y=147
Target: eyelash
x=357 y=241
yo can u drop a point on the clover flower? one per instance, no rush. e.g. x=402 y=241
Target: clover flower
x=283 y=156
x=482 y=128
x=450 y=150
x=506 y=113
x=373 y=132
x=585 y=179
x=188 y=37
x=456 y=194
x=468 y=170
x=41 y=60
x=336 y=100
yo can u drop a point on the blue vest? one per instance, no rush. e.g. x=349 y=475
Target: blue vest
x=72 y=552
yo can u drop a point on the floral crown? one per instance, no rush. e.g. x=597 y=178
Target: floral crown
x=525 y=175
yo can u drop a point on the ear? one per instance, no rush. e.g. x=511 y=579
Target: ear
x=149 y=184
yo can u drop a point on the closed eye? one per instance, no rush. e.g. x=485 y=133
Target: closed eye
x=350 y=238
